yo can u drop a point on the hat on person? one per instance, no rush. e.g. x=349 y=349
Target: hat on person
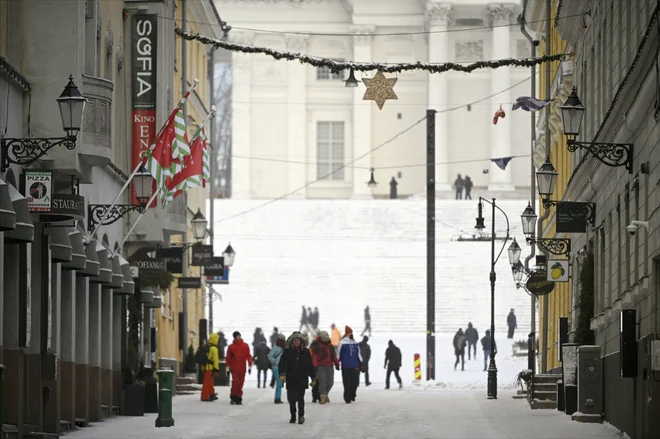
x=324 y=336
x=236 y=334
x=348 y=330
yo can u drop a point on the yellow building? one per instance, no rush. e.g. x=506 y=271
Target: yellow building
x=201 y=17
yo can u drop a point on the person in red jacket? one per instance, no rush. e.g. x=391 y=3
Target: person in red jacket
x=238 y=354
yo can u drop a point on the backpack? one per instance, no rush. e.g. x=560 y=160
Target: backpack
x=202 y=355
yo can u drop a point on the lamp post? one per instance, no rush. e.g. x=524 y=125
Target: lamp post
x=559 y=247
x=610 y=154
x=199 y=223
x=492 y=367
x=25 y=151
x=229 y=254
x=372 y=181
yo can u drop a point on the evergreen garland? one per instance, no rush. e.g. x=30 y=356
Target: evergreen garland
x=161 y=280
x=585 y=302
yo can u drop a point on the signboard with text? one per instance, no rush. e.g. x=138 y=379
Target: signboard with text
x=572 y=217
x=151 y=265
x=38 y=190
x=216 y=267
x=201 y=255
x=174 y=258
x=190 y=282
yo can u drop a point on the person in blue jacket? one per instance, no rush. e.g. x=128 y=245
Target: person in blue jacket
x=351 y=363
x=274 y=357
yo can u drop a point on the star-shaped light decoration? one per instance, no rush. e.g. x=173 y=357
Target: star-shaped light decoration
x=379 y=89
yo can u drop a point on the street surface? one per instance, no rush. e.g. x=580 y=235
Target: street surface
x=412 y=413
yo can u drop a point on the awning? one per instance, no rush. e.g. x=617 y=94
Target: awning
x=78 y=258
x=146 y=296
x=156 y=302
x=60 y=244
x=105 y=267
x=24 y=231
x=117 y=281
x=128 y=287
x=7 y=213
x=92 y=264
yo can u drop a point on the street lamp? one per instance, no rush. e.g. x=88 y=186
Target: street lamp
x=372 y=181
x=106 y=214
x=546 y=179
x=492 y=367
x=25 y=151
x=229 y=254
x=528 y=220
x=351 y=81
x=610 y=154
x=518 y=273
x=199 y=224
x=555 y=246
x=514 y=253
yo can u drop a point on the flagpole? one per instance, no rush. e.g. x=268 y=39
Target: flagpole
x=137 y=168
x=137 y=220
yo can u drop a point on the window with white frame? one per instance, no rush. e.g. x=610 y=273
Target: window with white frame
x=324 y=73
x=329 y=150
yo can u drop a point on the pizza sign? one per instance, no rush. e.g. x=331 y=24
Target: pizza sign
x=38 y=190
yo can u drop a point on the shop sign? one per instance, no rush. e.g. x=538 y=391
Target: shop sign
x=68 y=205
x=190 y=282
x=216 y=267
x=38 y=190
x=538 y=285
x=152 y=265
x=201 y=255
x=174 y=258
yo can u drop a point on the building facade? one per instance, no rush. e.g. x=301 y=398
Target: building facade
x=294 y=120
x=614 y=71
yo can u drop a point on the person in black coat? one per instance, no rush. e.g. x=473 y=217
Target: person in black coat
x=365 y=350
x=296 y=368
x=472 y=337
x=261 y=360
x=512 y=323
x=392 y=363
x=488 y=344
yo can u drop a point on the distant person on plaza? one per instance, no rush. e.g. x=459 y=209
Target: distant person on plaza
x=367 y=321
x=303 y=318
x=274 y=357
x=315 y=318
x=325 y=359
x=472 y=337
x=365 y=350
x=258 y=337
x=459 y=183
x=296 y=368
x=316 y=397
x=488 y=344
x=238 y=355
x=210 y=369
x=336 y=336
x=222 y=344
x=273 y=340
x=459 y=348
x=351 y=362
x=468 y=187
x=262 y=362
x=512 y=323
x=392 y=363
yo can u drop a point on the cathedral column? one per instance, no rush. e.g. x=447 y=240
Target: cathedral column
x=362 y=142
x=500 y=143
x=438 y=17
x=297 y=116
x=241 y=142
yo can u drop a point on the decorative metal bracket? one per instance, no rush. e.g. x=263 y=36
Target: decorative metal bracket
x=559 y=247
x=95 y=212
x=27 y=151
x=585 y=211
x=610 y=154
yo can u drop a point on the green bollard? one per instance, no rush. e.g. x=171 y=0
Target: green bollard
x=2 y=381
x=165 y=379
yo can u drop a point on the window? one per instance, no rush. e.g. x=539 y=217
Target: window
x=324 y=73
x=330 y=150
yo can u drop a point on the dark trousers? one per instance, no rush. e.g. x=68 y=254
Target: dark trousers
x=366 y=374
x=459 y=193
x=467 y=194
x=367 y=328
x=511 y=329
x=315 y=390
x=351 y=379
x=460 y=357
x=396 y=375
x=296 y=396
x=265 y=372
x=472 y=346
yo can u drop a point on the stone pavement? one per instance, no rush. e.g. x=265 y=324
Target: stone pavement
x=377 y=413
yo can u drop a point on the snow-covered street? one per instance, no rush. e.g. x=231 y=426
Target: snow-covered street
x=377 y=413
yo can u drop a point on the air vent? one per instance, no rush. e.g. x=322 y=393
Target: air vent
x=470 y=22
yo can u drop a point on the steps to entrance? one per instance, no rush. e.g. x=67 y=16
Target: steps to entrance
x=187 y=386
x=544 y=391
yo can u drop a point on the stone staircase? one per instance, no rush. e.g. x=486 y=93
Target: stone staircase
x=544 y=392
x=186 y=385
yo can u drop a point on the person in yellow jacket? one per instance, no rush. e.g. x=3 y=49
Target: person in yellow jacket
x=211 y=368
x=335 y=338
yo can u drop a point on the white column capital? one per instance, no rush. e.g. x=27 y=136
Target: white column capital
x=501 y=13
x=362 y=34
x=296 y=42
x=438 y=14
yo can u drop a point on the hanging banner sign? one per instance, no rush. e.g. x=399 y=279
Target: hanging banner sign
x=38 y=190
x=201 y=255
x=174 y=258
x=144 y=60
x=216 y=267
x=192 y=283
x=558 y=270
x=572 y=217
x=224 y=279
x=538 y=285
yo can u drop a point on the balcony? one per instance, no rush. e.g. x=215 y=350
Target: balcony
x=95 y=146
x=157 y=224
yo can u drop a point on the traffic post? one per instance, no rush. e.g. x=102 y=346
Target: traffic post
x=418 y=368
x=165 y=381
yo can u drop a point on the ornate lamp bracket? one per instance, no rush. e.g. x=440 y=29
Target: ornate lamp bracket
x=558 y=247
x=29 y=150
x=610 y=154
x=95 y=212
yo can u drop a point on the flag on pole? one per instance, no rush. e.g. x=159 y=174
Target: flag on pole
x=502 y=162
x=530 y=104
x=206 y=166
x=191 y=175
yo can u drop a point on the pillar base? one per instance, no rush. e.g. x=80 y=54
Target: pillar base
x=501 y=187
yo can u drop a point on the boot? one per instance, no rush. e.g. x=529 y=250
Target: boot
x=278 y=401
x=239 y=401
x=293 y=419
x=301 y=420
x=324 y=399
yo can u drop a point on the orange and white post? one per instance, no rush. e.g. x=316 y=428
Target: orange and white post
x=418 y=368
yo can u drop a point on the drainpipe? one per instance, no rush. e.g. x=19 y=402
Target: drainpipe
x=184 y=87
x=212 y=165
x=533 y=44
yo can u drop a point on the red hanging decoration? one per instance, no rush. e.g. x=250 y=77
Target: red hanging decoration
x=499 y=114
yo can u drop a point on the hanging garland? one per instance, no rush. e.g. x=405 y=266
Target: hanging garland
x=338 y=66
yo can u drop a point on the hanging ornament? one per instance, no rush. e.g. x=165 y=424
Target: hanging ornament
x=499 y=114
x=379 y=89
x=372 y=181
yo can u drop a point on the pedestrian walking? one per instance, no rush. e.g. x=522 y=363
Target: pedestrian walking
x=295 y=370
x=316 y=397
x=274 y=357
x=488 y=344
x=222 y=344
x=336 y=336
x=274 y=336
x=468 y=187
x=365 y=351
x=351 y=361
x=238 y=356
x=315 y=318
x=325 y=361
x=512 y=323
x=303 y=319
x=257 y=338
x=392 y=363
x=262 y=362
x=459 y=184
x=459 y=348
x=367 y=321
x=472 y=337
x=211 y=368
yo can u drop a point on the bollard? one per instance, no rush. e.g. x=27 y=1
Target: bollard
x=165 y=379
x=418 y=368
x=2 y=381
